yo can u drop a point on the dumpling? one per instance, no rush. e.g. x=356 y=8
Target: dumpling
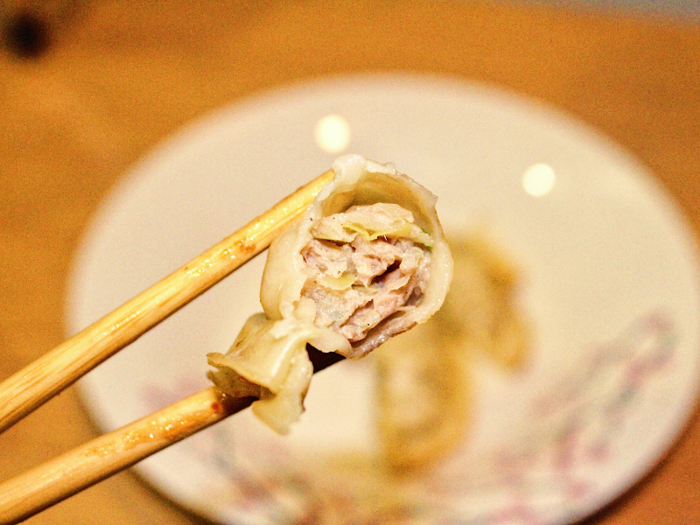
x=367 y=261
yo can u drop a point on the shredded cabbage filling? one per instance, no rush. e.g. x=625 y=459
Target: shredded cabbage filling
x=364 y=265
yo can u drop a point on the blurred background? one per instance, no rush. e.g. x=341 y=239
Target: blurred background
x=680 y=9
x=88 y=87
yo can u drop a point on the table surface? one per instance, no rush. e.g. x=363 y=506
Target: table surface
x=118 y=76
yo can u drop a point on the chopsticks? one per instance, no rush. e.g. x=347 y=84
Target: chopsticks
x=55 y=480
x=38 y=382
x=26 y=390
x=40 y=487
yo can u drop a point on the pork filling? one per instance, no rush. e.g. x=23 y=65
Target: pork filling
x=374 y=264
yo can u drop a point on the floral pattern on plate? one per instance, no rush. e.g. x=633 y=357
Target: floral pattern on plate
x=551 y=465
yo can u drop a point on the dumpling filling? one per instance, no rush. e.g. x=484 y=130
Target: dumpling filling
x=367 y=261
x=364 y=265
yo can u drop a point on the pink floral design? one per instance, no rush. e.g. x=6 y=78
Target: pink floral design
x=533 y=482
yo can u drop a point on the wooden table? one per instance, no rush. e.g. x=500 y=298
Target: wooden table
x=118 y=76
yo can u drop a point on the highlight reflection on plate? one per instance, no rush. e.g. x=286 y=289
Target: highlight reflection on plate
x=611 y=290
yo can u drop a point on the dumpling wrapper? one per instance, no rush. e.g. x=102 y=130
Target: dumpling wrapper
x=366 y=205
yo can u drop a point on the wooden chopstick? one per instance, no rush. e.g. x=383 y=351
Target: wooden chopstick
x=29 y=388
x=42 y=486
x=49 y=483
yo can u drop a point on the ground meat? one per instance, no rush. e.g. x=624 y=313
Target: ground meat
x=390 y=275
x=328 y=257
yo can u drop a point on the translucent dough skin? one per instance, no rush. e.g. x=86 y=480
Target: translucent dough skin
x=358 y=181
x=269 y=358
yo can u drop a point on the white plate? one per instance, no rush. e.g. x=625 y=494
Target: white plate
x=611 y=290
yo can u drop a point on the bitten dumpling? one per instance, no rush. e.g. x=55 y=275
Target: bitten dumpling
x=367 y=261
